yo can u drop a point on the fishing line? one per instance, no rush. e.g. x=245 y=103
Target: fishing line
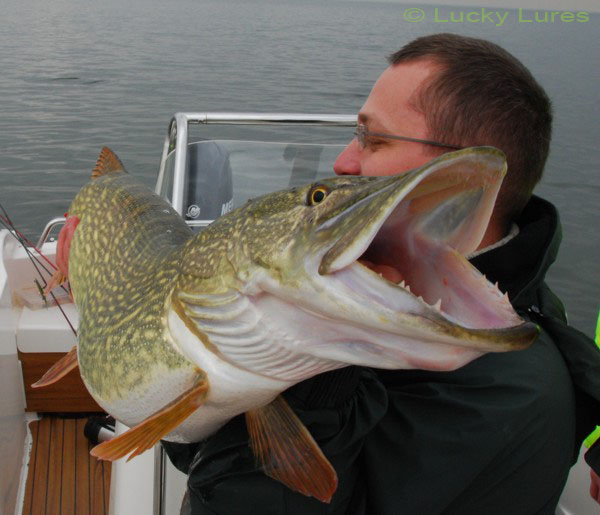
x=27 y=245
x=24 y=243
x=22 y=239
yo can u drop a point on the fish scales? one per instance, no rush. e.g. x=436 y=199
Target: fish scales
x=137 y=237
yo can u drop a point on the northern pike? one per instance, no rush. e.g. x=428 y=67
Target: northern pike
x=180 y=332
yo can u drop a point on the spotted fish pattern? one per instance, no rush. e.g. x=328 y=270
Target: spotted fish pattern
x=124 y=255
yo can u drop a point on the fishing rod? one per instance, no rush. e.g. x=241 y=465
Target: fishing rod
x=36 y=262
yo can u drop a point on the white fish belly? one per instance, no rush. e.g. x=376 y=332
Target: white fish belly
x=162 y=387
x=231 y=390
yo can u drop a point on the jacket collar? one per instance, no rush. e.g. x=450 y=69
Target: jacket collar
x=520 y=265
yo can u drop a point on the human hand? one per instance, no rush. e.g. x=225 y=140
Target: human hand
x=595 y=486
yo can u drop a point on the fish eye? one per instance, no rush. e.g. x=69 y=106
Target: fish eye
x=316 y=195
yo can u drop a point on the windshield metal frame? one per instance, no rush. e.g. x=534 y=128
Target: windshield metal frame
x=177 y=137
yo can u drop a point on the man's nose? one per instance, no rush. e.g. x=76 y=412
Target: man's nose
x=348 y=162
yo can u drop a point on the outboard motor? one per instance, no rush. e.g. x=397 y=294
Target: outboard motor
x=209 y=189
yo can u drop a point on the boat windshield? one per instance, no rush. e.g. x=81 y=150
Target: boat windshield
x=223 y=174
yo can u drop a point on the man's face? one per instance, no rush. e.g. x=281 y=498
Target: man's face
x=389 y=110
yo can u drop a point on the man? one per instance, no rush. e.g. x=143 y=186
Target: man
x=496 y=436
x=468 y=92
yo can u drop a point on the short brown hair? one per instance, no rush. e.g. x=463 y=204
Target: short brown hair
x=483 y=95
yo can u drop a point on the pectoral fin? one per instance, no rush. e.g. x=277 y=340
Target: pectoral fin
x=59 y=370
x=287 y=451
x=147 y=433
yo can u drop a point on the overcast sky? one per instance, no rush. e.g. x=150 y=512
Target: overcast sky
x=562 y=5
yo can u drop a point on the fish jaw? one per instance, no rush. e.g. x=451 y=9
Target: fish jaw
x=330 y=342
x=420 y=223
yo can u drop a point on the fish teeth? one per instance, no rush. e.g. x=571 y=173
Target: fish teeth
x=438 y=305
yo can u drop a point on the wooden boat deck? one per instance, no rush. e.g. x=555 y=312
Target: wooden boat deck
x=63 y=478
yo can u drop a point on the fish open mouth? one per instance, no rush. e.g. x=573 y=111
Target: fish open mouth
x=408 y=255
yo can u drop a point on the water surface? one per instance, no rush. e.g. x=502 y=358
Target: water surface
x=77 y=75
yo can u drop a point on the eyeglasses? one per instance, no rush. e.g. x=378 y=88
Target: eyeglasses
x=362 y=133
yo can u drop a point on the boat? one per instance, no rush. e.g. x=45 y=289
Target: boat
x=206 y=169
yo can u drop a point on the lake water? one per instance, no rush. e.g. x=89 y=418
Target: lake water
x=77 y=75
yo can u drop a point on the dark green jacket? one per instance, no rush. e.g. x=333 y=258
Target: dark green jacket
x=533 y=297
x=496 y=436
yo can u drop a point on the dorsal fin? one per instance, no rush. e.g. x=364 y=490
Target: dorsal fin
x=108 y=162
